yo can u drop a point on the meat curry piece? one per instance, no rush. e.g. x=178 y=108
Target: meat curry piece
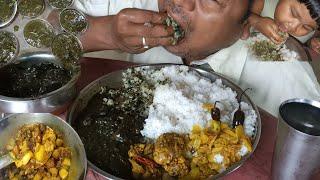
x=39 y=153
x=170 y=152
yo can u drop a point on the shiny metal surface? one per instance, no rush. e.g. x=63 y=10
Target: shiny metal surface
x=50 y=102
x=297 y=150
x=10 y=125
x=5 y=23
x=113 y=80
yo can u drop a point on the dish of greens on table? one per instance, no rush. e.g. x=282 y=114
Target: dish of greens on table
x=73 y=21
x=67 y=48
x=8 y=47
x=38 y=33
x=7 y=9
x=31 y=8
x=60 y=4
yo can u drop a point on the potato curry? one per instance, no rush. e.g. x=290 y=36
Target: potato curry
x=198 y=155
x=38 y=153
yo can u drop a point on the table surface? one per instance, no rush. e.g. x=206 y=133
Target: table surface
x=257 y=167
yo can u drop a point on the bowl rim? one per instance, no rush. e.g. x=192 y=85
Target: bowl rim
x=12 y=17
x=233 y=86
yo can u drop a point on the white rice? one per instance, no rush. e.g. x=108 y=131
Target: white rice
x=177 y=104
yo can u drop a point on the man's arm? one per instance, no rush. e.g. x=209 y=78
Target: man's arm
x=131 y=30
x=98 y=35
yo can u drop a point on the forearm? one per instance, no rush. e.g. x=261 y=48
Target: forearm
x=256 y=10
x=97 y=37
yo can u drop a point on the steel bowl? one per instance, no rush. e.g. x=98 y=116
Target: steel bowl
x=5 y=23
x=10 y=125
x=114 y=80
x=50 y=102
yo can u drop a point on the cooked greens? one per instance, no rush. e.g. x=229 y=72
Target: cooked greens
x=178 y=31
x=67 y=48
x=60 y=4
x=266 y=50
x=31 y=8
x=7 y=8
x=38 y=33
x=8 y=47
x=23 y=80
x=73 y=21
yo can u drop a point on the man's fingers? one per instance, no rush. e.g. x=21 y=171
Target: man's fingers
x=140 y=16
x=150 y=42
x=148 y=31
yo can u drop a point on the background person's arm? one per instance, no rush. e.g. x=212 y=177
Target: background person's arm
x=125 y=31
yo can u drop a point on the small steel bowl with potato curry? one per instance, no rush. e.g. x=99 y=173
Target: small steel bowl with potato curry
x=43 y=148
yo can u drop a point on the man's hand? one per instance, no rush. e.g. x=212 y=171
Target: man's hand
x=130 y=26
x=315 y=44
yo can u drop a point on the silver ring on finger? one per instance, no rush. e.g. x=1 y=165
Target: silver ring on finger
x=145 y=46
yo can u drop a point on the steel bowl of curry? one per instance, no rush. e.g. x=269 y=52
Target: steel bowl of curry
x=165 y=122
x=40 y=146
x=37 y=82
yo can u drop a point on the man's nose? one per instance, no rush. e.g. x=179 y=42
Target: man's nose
x=188 y=5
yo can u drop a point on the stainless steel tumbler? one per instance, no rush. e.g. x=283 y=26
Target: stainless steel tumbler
x=297 y=150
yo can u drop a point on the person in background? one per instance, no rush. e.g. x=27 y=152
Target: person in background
x=273 y=81
x=209 y=26
x=299 y=18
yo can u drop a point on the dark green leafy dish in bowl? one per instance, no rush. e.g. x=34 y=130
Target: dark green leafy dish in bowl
x=73 y=21
x=38 y=33
x=9 y=47
x=31 y=8
x=25 y=80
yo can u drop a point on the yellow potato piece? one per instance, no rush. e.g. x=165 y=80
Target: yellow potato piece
x=53 y=171
x=240 y=131
x=63 y=173
x=37 y=177
x=66 y=162
x=24 y=160
x=40 y=153
x=215 y=126
x=196 y=129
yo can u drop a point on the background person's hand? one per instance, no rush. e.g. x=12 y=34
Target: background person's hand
x=269 y=28
x=315 y=44
x=130 y=26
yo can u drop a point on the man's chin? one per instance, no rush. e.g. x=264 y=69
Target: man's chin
x=175 y=50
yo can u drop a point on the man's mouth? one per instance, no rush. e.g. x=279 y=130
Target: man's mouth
x=283 y=27
x=179 y=33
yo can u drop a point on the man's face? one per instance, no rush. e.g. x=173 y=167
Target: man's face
x=209 y=25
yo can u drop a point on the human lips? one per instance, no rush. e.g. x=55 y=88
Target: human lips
x=283 y=27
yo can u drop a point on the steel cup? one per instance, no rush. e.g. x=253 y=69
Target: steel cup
x=297 y=150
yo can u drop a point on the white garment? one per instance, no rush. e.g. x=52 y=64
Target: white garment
x=112 y=7
x=272 y=82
